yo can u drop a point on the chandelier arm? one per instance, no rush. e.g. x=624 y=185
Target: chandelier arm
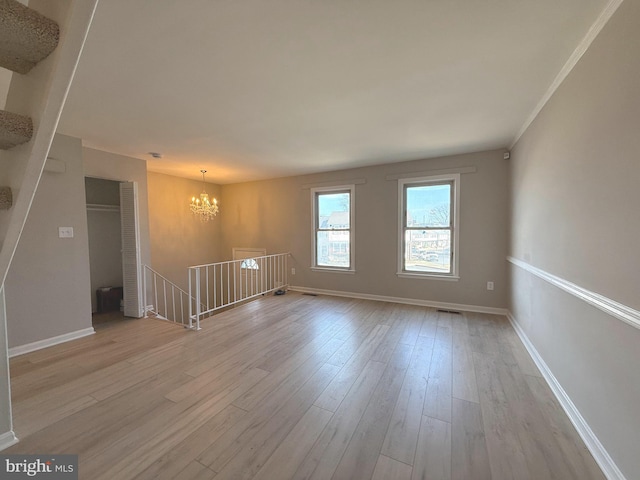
x=202 y=206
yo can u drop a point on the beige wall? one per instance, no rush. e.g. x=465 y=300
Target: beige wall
x=575 y=214
x=178 y=238
x=276 y=214
x=47 y=288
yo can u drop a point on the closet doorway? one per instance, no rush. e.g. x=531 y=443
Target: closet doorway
x=114 y=249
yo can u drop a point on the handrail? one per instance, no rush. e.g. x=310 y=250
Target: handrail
x=222 y=284
x=163 y=306
x=239 y=260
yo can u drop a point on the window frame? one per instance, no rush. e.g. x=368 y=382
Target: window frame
x=403 y=183
x=315 y=192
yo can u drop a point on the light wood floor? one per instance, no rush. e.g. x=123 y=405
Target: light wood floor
x=299 y=387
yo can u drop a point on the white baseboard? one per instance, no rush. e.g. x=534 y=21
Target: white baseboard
x=49 y=342
x=7 y=439
x=600 y=454
x=407 y=301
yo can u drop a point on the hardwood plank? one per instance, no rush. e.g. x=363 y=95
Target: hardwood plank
x=247 y=342
x=433 y=455
x=429 y=325
x=388 y=468
x=583 y=466
x=338 y=388
x=437 y=403
x=325 y=455
x=506 y=455
x=469 y=457
x=385 y=349
x=91 y=430
x=105 y=397
x=306 y=357
x=172 y=464
x=361 y=455
x=487 y=336
x=294 y=448
x=268 y=423
x=350 y=345
x=156 y=439
x=541 y=449
x=402 y=435
x=525 y=362
x=464 y=385
x=415 y=317
x=46 y=413
x=196 y=471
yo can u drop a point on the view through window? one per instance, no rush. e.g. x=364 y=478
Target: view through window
x=333 y=229
x=428 y=228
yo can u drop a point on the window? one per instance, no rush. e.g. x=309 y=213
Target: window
x=429 y=227
x=249 y=264
x=332 y=212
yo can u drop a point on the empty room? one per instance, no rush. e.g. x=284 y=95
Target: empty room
x=287 y=239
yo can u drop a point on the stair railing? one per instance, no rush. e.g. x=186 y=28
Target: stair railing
x=219 y=285
x=165 y=300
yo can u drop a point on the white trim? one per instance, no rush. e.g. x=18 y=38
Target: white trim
x=333 y=183
x=428 y=173
x=428 y=276
x=351 y=188
x=600 y=454
x=7 y=439
x=582 y=47
x=406 y=301
x=97 y=207
x=607 y=305
x=454 y=178
x=260 y=252
x=49 y=342
x=333 y=270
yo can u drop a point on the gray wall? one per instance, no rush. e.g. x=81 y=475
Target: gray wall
x=47 y=288
x=54 y=271
x=276 y=214
x=575 y=214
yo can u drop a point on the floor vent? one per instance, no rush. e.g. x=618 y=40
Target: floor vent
x=311 y=294
x=448 y=311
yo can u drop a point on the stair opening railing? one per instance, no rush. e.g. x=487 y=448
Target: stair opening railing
x=218 y=285
x=164 y=299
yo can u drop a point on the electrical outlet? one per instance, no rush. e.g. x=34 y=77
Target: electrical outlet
x=65 y=232
x=489 y=285
x=293 y=270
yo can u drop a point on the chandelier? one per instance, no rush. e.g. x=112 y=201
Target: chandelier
x=202 y=206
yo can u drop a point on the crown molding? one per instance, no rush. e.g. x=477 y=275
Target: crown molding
x=582 y=47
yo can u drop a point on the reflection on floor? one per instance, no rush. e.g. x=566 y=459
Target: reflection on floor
x=99 y=319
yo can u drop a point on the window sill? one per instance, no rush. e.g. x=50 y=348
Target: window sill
x=333 y=270
x=428 y=276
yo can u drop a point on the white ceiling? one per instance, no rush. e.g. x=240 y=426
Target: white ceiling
x=252 y=89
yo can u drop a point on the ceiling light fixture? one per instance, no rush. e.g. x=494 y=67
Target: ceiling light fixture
x=202 y=207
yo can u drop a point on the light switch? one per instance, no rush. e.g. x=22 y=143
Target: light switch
x=65 y=232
